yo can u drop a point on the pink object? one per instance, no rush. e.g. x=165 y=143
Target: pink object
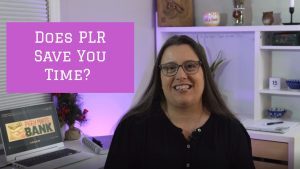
x=211 y=18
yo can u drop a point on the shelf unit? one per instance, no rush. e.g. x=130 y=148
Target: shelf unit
x=279 y=92
x=265 y=61
x=262 y=58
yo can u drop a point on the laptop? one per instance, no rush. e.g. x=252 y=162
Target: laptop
x=31 y=138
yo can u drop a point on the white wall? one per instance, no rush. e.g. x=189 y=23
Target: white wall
x=106 y=109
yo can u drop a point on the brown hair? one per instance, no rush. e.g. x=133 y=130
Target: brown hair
x=153 y=95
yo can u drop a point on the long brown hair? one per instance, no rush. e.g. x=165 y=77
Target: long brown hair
x=153 y=95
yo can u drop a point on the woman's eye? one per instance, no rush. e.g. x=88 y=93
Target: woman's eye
x=171 y=68
x=190 y=66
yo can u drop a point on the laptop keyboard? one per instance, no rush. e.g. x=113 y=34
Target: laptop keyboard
x=47 y=157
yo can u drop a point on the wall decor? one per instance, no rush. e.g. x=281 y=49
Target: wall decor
x=175 y=12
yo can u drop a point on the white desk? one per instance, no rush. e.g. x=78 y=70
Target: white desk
x=96 y=162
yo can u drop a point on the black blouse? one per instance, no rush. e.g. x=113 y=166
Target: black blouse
x=153 y=142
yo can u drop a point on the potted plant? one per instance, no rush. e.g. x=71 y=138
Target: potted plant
x=68 y=106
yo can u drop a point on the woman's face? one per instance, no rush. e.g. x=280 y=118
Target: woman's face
x=182 y=89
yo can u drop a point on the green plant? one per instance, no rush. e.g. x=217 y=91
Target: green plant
x=216 y=63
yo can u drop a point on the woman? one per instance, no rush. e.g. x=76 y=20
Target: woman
x=181 y=120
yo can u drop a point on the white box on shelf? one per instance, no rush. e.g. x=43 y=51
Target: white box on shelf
x=274 y=83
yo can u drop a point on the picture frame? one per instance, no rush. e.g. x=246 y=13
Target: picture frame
x=175 y=13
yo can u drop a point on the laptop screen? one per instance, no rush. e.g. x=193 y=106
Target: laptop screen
x=29 y=127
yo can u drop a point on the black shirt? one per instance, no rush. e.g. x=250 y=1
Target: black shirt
x=153 y=142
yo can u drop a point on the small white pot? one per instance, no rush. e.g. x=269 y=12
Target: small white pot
x=211 y=18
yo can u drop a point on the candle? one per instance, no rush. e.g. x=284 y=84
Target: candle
x=292 y=3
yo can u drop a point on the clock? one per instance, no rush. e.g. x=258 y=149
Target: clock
x=274 y=83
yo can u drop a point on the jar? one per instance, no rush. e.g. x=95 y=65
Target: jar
x=268 y=18
x=211 y=18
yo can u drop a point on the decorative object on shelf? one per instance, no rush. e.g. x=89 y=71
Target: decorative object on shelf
x=268 y=18
x=276 y=112
x=274 y=83
x=293 y=83
x=211 y=18
x=286 y=38
x=292 y=10
x=68 y=106
x=238 y=12
x=175 y=13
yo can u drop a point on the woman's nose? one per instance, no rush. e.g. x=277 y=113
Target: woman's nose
x=181 y=74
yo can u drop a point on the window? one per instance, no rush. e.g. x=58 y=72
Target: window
x=19 y=10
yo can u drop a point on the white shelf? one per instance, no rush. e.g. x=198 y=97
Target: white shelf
x=229 y=28
x=280 y=47
x=280 y=92
x=208 y=29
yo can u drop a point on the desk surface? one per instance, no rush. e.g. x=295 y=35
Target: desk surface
x=96 y=162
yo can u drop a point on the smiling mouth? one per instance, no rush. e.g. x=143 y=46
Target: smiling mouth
x=181 y=88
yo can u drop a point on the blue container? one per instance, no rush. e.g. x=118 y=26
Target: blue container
x=293 y=84
x=276 y=112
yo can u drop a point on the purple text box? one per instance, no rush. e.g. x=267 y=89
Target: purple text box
x=70 y=57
